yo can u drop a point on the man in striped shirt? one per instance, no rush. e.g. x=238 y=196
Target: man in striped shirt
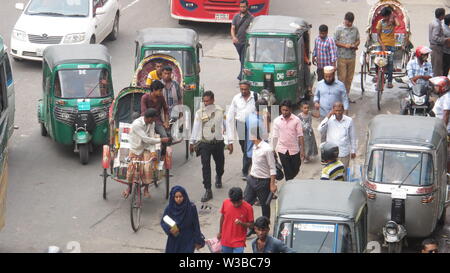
x=333 y=169
x=325 y=51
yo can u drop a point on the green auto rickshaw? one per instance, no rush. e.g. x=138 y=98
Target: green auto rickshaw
x=183 y=45
x=277 y=57
x=77 y=94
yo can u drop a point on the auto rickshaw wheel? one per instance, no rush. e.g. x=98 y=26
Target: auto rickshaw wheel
x=43 y=130
x=84 y=153
x=395 y=247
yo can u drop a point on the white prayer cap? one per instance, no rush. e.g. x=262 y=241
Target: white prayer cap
x=328 y=69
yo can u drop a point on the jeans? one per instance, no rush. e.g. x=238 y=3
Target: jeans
x=240 y=48
x=390 y=65
x=243 y=137
x=226 y=249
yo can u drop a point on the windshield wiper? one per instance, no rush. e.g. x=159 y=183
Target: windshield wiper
x=75 y=15
x=47 y=13
x=326 y=236
x=404 y=180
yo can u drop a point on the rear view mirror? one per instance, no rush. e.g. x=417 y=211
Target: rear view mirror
x=100 y=11
x=20 y=6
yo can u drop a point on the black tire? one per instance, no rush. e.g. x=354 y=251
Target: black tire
x=17 y=59
x=43 y=130
x=167 y=183
x=84 y=153
x=363 y=74
x=187 y=149
x=136 y=206
x=182 y=22
x=115 y=31
x=105 y=179
x=380 y=84
x=92 y=40
x=395 y=247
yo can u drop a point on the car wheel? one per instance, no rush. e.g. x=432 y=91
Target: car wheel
x=17 y=59
x=115 y=31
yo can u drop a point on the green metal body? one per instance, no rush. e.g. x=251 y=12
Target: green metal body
x=189 y=95
x=63 y=132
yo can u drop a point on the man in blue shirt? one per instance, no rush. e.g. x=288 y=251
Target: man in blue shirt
x=265 y=243
x=328 y=91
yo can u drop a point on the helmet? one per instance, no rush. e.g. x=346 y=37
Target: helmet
x=422 y=50
x=440 y=84
x=329 y=151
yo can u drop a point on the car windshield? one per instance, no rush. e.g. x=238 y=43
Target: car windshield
x=387 y=166
x=59 y=8
x=315 y=237
x=182 y=56
x=82 y=83
x=270 y=50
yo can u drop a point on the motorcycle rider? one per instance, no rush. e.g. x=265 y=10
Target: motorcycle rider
x=419 y=69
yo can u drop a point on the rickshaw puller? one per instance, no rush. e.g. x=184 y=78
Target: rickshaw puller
x=142 y=141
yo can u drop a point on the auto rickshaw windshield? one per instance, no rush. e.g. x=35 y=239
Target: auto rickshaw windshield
x=387 y=166
x=182 y=56
x=271 y=50
x=76 y=83
x=310 y=237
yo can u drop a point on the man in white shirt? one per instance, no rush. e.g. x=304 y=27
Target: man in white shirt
x=142 y=141
x=242 y=105
x=341 y=131
x=261 y=180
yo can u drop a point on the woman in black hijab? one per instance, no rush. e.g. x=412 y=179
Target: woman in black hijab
x=187 y=236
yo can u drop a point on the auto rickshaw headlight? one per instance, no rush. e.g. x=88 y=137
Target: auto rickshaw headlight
x=391 y=228
x=380 y=61
x=102 y=115
x=65 y=116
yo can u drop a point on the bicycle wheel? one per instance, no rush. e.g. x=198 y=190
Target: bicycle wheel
x=105 y=178
x=380 y=86
x=363 y=75
x=187 y=149
x=136 y=205
x=167 y=183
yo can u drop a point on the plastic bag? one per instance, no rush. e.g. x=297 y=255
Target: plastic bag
x=354 y=173
x=214 y=245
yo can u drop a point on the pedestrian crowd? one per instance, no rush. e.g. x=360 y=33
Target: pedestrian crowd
x=271 y=144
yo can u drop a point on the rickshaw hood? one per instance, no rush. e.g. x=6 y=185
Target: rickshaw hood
x=407 y=130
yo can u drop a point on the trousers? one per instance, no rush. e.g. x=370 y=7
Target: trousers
x=291 y=165
x=216 y=151
x=258 y=188
x=345 y=71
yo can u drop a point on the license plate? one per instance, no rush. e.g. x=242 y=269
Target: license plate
x=84 y=105
x=399 y=193
x=222 y=16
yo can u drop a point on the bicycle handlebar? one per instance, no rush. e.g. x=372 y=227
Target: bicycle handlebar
x=129 y=160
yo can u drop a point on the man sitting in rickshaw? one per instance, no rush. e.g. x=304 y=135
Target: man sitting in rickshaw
x=386 y=38
x=155 y=75
x=419 y=69
x=172 y=90
x=156 y=100
x=142 y=140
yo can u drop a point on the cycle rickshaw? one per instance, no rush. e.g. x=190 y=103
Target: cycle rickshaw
x=124 y=109
x=374 y=62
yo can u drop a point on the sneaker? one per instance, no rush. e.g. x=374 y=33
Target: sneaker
x=244 y=177
x=218 y=182
x=207 y=196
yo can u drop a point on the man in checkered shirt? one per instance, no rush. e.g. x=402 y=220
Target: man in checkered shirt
x=325 y=51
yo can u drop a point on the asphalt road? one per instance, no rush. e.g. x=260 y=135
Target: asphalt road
x=53 y=200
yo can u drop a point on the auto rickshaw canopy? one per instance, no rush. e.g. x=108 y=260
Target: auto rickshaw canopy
x=278 y=24
x=72 y=54
x=167 y=36
x=322 y=198
x=407 y=130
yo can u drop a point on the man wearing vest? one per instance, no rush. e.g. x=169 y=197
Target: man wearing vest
x=207 y=134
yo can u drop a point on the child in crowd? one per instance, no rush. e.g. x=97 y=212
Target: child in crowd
x=308 y=132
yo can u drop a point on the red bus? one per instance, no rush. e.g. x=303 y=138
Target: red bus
x=218 y=11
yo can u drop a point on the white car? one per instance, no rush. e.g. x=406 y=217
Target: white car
x=51 y=22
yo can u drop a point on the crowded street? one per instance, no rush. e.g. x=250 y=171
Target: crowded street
x=53 y=200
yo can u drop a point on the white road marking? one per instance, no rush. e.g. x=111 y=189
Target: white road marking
x=130 y=5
